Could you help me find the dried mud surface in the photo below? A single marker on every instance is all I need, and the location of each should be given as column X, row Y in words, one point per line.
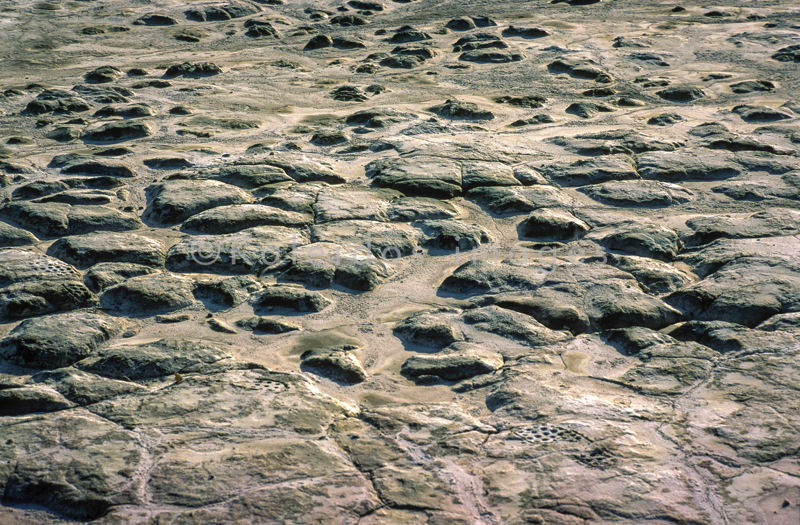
column 399, row 262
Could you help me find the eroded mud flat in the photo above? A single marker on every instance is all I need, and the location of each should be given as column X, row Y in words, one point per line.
column 383, row 262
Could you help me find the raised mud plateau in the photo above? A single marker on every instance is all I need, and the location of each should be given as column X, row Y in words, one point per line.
column 399, row 262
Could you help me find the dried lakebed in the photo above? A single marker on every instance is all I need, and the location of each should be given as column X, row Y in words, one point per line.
column 383, row 262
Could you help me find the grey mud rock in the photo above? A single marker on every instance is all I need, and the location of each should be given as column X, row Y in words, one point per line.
column 59, row 340
column 11, row 236
column 292, row 298
column 83, row 251
column 681, row 93
column 666, row 166
column 148, row 295
column 226, row 292
column 454, row 363
column 639, row 193
column 27, row 400
column 427, row 330
column 591, row 171
column 448, row 234
column 487, row 174
column 176, row 201
column 245, row 177
column 548, row 223
column 189, row 69
column 321, row 264
column 84, row 484
column 232, row 219
column 515, row 200
column 453, row 108
column 360, row 238
column 582, row 297
column 643, row 239
column 161, row 358
column 102, row 275
column 265, row 325
column 583, row 69
column 419, row 176
column 32, row 284
column 353, row 202
column 245, row 251
column 56, row 219
column 119, row 131
column 337, row 363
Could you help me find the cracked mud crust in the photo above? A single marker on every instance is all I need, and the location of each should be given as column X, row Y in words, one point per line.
column 400, row 262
